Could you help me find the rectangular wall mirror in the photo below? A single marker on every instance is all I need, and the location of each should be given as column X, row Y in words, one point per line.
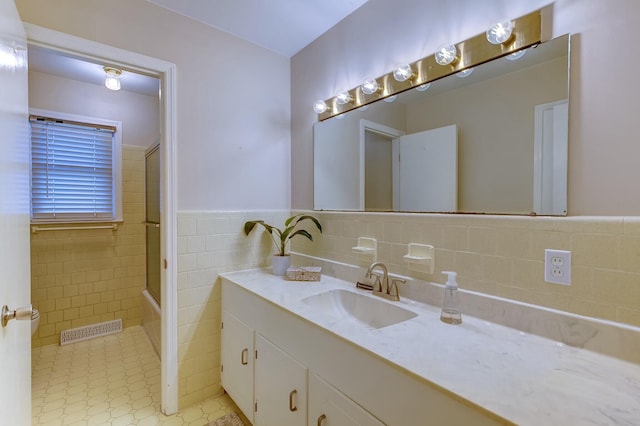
column 492, row 142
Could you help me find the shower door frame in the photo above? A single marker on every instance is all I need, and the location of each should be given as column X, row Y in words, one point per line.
column 151, row 225
column 166, row 73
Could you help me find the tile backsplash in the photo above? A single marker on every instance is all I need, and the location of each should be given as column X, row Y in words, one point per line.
column 504, row 255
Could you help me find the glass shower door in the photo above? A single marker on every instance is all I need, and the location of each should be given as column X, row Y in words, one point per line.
column 152, row 201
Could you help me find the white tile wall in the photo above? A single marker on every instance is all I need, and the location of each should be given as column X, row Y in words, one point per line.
column 210, row 243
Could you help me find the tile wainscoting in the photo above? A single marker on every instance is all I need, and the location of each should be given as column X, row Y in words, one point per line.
column 497, row 255
column 210, row 243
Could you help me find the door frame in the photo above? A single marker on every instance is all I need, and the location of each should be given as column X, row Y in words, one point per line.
column 373, row 127
column 166, row 72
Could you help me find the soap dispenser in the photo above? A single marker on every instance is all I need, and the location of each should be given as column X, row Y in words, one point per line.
column 450, row 307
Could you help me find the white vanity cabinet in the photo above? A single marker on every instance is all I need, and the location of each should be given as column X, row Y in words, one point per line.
column 329, row 407
column 280, row 387
column 268, row 385
column 346, row 384
column 237, row 356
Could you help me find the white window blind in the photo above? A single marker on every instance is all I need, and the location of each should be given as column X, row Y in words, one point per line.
column 72, row 174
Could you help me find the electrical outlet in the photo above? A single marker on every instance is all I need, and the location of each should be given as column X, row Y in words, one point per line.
column 557, row 266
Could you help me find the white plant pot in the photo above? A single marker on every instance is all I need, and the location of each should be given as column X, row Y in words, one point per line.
column 280, row 264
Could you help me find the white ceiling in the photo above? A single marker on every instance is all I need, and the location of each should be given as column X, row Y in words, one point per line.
column 283, row 26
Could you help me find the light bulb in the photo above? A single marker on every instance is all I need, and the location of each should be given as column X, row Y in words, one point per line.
column 465, row 73
column 370, row 86
column 112, row 78
column 343, row 98
column 423, row 87
column 516, row 55
column 403, row 72
column 320, row 106
column 499, row 32
column 446, row 54
column 390, row 98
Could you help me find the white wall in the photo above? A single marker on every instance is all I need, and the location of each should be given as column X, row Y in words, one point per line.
column 233, row 98
column 139, row 114
column 603, row 127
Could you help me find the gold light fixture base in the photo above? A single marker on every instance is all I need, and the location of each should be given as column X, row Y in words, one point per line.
column 527, row 32
column 112, row 71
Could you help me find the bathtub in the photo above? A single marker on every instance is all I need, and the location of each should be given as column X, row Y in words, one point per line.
column 151, row 320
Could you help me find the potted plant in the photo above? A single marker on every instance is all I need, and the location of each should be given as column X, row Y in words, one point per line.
column 281, row 237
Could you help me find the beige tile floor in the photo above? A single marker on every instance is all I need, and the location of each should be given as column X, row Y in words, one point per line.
column 111, row 380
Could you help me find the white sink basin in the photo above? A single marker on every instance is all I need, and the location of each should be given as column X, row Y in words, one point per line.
column 365, row 310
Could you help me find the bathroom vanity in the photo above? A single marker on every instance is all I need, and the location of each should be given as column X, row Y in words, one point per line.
column 314, row 353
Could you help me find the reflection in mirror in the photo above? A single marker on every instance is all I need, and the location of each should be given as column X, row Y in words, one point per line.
column 508, row 153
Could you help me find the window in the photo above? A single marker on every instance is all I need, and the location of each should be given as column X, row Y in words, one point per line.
column 75, row 169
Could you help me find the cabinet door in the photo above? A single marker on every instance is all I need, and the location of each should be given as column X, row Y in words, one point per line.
column 329, row 407
column 237, row 362
column 281, row 387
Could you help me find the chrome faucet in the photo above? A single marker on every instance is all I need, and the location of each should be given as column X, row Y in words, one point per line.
column 382, row 287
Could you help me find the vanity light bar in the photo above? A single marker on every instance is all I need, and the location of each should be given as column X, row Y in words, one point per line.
column 527, row 32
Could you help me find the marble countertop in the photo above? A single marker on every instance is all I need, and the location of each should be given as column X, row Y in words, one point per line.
column 523, row 378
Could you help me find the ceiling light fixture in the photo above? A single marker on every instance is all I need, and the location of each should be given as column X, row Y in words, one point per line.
column 499, row 32
column 112, row 78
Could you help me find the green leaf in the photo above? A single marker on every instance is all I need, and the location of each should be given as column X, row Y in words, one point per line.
column 248, row 226
column 303, row 233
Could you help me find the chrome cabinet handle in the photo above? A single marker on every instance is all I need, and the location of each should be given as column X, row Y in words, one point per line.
column 292, row 395
column 244, row 359
column 321, row 419
column 20, row 314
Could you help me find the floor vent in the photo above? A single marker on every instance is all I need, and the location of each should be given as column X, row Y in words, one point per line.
column 87, row 332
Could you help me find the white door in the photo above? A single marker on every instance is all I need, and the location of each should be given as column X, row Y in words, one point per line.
column 15, row 338
column 426, row 177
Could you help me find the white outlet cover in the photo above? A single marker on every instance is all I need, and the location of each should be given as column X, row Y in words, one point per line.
column 557, row 266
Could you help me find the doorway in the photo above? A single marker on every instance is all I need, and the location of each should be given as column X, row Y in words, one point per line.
column 165, row 72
